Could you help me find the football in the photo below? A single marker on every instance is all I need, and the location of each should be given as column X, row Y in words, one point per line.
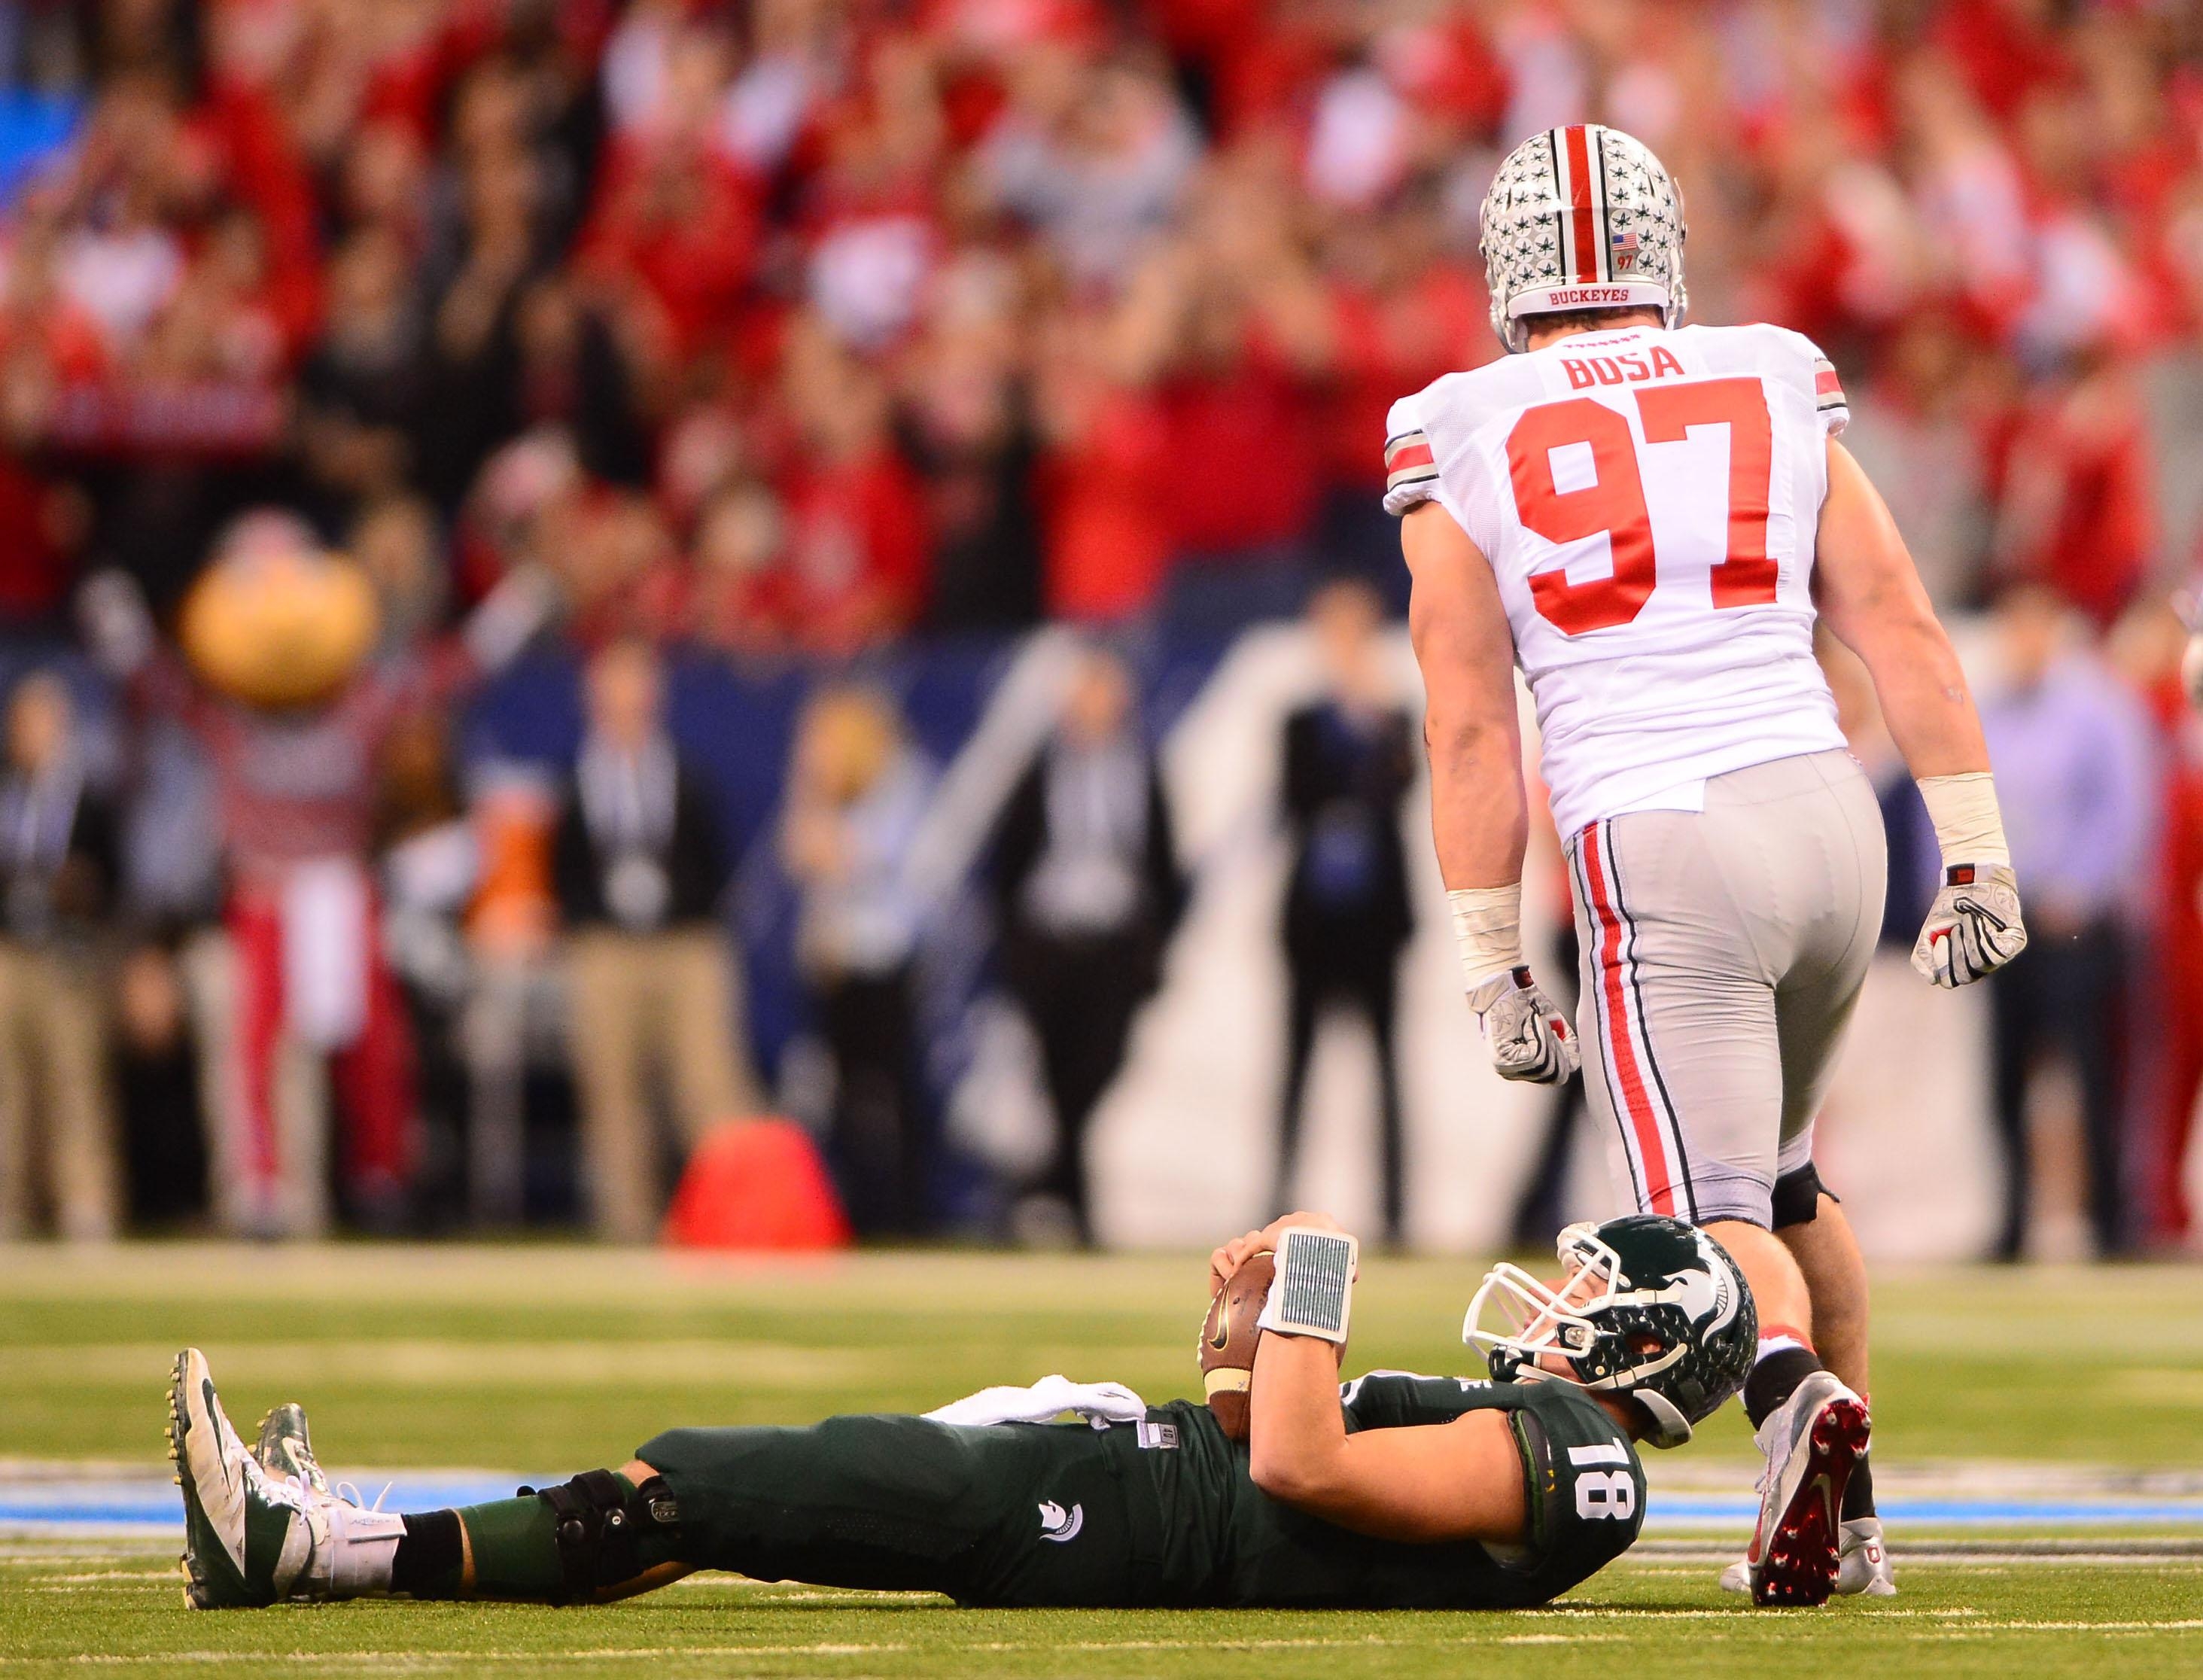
column 1228, row 1342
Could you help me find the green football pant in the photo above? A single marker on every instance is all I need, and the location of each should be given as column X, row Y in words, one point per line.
column 1013, row 1514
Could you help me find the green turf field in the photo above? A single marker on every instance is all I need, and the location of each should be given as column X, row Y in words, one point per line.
column 537, row 1361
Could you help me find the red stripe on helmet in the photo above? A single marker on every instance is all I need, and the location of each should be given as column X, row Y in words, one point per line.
column 1579, row 203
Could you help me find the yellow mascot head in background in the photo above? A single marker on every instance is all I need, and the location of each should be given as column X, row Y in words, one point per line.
column 276, row 621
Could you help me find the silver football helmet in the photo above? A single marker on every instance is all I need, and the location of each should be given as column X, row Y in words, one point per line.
column 1582, row 217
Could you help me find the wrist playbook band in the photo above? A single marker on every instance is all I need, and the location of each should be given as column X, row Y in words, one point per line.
column 1313, row 1293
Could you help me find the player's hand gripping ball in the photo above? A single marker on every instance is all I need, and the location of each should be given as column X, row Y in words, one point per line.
column 1227, row 1341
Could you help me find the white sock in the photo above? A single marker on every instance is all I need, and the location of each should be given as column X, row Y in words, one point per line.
column 1776, row 1342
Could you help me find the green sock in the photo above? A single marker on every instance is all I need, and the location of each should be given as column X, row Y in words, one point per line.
column 516, row 1549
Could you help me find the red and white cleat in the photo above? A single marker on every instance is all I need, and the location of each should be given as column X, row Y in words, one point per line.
column 1865, row 1569
column 1812, row 1442
column 1862, row 1565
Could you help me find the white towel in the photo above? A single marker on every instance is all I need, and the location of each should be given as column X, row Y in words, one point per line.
column 1100, row 1404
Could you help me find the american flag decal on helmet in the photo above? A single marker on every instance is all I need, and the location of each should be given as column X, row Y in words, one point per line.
column 1408, row 461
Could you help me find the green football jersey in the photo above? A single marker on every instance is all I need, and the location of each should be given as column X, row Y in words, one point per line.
column 1219, row 1539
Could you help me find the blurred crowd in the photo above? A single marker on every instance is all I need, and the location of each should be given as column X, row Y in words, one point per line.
column 798, row 334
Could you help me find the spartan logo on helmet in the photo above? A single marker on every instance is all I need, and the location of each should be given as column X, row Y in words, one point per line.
column 1647, row 1306
column 1583, row 217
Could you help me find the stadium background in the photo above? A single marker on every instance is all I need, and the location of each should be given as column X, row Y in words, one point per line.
column 818, row 341
column 920, row 344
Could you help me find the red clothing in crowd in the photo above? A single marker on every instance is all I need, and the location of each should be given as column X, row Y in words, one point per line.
column 2175, row 989
column 683, row 222
column 1108, row 526
column 2002, row 53
column 243, row 131
column 1260, row 58
column 856, row 568
column 34, row 568
column 1391, row 343
column 2079, row 510
column 1246, row 462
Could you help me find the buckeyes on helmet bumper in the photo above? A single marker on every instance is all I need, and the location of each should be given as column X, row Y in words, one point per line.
column 1647, row 1306
column 1582, row 217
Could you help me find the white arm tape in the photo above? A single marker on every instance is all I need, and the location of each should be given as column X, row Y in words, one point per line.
column 1487, row 930
column 1968, row 825
column 1313, row 1293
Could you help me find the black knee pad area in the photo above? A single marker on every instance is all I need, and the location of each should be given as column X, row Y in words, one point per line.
column 1797, row 1196
column 607, row 1532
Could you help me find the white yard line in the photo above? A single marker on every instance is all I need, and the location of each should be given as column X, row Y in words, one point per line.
column 618, row 1653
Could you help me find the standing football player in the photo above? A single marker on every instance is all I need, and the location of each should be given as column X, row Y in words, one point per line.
column 1648, row 519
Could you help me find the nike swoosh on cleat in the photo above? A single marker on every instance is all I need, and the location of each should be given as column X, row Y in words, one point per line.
column 221, row 1458
column 228, row 1522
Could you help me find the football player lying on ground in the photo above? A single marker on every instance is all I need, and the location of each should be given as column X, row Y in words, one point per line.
column 1396, row 1491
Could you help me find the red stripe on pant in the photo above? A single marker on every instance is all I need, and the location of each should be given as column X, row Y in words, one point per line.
column 372, row 1077
column 1580, row 205
column 1659, row 1171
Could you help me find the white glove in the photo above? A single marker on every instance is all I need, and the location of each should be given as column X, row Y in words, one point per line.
column 1528, row 1036
column 1100, row 1404
column 1973, row 927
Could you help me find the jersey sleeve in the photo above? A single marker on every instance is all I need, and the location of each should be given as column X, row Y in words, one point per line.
column 1411, row 467
column 1827, row 388
column 1828, row 396
column 1585, row 1483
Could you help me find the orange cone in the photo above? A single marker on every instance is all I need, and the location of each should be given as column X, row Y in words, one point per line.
column 757, row 1184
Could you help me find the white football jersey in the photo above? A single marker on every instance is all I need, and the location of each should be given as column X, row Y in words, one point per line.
column 1648, row 500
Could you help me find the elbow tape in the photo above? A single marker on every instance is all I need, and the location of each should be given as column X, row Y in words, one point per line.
column 1313, row 1293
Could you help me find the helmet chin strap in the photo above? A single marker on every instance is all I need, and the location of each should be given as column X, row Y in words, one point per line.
column 1669, row 1427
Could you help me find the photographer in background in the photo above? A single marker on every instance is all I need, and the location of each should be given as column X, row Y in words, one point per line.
column 57, row 861
column 1349, row 760
column 1090, row 890
column 639, row 866
column 857, row 791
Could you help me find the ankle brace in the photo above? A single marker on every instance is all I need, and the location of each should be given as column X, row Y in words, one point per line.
column 363, row 1546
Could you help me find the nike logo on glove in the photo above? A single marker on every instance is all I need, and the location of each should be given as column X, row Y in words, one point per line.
column 1973, row 928
column 1528, row 1036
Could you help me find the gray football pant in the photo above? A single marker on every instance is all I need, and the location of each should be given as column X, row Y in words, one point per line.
column 1723, row 951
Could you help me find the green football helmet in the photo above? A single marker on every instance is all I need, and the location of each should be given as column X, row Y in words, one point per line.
column 1648, row 1307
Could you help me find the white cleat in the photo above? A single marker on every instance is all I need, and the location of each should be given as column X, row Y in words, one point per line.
column 253, row 1537
column 1862, row 1565
column 246, row 1540
column 1812, row 1442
